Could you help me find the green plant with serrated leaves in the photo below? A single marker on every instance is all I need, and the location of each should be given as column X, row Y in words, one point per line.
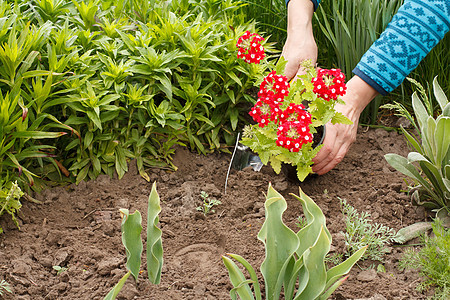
column 207, row 203
column 294, row 262
column 429, row 164
column 360, row 231
column 131, row 239
column 263, row 139
column 432, row 260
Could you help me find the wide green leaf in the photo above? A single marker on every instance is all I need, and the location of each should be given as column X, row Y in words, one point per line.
column 419, row 110
column 314, row 261
column 342, row 269
column 279, row 240
column 442, row 139
column 154, row 249
column 439, row 94
column 238, row 280
column 251, row 272
column 131, row 239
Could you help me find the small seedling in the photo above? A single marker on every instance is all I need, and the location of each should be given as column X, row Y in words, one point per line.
column 59, row 269
column 5, row 287
column 334, row 258
column 301, row 222
column 208, row 203
column 360, row 231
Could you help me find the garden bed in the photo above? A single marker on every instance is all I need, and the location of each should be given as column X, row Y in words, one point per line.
column 78, row 227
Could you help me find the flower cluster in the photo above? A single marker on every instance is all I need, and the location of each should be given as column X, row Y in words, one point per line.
column 329, row 84
column 273, row 89
column 287, row 114
column 293, row 130
column 293, row 121
column 250, row 48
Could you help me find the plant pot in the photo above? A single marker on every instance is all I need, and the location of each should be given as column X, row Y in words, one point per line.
column 290, row 171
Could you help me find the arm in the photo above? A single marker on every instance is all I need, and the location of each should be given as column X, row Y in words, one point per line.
column 413, row 32
column 315, row 3
column 300, row 44
column 416, row 28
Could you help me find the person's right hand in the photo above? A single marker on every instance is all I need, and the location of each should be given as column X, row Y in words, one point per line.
column 300, row 44
column 339, row 137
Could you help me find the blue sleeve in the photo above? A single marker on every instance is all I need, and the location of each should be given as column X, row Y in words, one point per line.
column 416, row 28
column 315, row 2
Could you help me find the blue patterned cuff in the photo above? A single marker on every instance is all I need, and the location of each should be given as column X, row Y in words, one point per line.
column 369, row 81
column 416, row 28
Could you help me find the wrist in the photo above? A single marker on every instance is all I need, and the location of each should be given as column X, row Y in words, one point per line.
column 359, row 94
column 300, row 14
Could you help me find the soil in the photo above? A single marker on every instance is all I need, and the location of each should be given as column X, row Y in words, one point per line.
column 78, row 227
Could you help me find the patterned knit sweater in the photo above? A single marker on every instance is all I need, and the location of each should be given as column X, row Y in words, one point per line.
column 413, row 31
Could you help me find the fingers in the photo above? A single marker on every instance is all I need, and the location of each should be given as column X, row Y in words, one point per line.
column 338, row 140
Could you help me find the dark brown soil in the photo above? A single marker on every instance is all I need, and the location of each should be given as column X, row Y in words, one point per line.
column 78, row 227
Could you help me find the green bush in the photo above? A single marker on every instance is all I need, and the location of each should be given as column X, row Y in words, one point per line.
column 121, row 81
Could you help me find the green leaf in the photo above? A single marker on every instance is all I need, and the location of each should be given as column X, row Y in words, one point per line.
column 95, row 119
column 154, row 238
column 131, row 239
column 316, row 221
column 412, row 231
column 313, row 260
column 279, row 240
column 402, row 165
column 82, row 174
column 37, row 134
column 281, row 65
column 237, row 279
column 412, row 141
column 442, row 134
column 439, row 94
column 116, row 289
column 419, row 110
column 234, row 77
column 340, row 118
column 251, row 272
column 342, row 269
column 88, row 138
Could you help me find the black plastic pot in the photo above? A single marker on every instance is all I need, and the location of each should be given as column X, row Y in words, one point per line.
column 290, row 171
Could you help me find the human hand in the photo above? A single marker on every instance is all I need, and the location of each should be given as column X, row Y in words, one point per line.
column 300, row 44
column 340, row 137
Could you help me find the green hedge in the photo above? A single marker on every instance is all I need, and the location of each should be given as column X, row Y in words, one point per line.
column 88, row 86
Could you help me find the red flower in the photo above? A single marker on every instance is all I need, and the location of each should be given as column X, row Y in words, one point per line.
column 295, row 112
column 250, row 48
column 329, row 84
column 293, row 135
column 274, row 86
column 264, row 111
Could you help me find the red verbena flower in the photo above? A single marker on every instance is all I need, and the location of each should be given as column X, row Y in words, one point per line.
column 274, row 86
column 329, row 84
column 264, row 111
column 295, row 113
column 293, row 135
column 250, row 48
